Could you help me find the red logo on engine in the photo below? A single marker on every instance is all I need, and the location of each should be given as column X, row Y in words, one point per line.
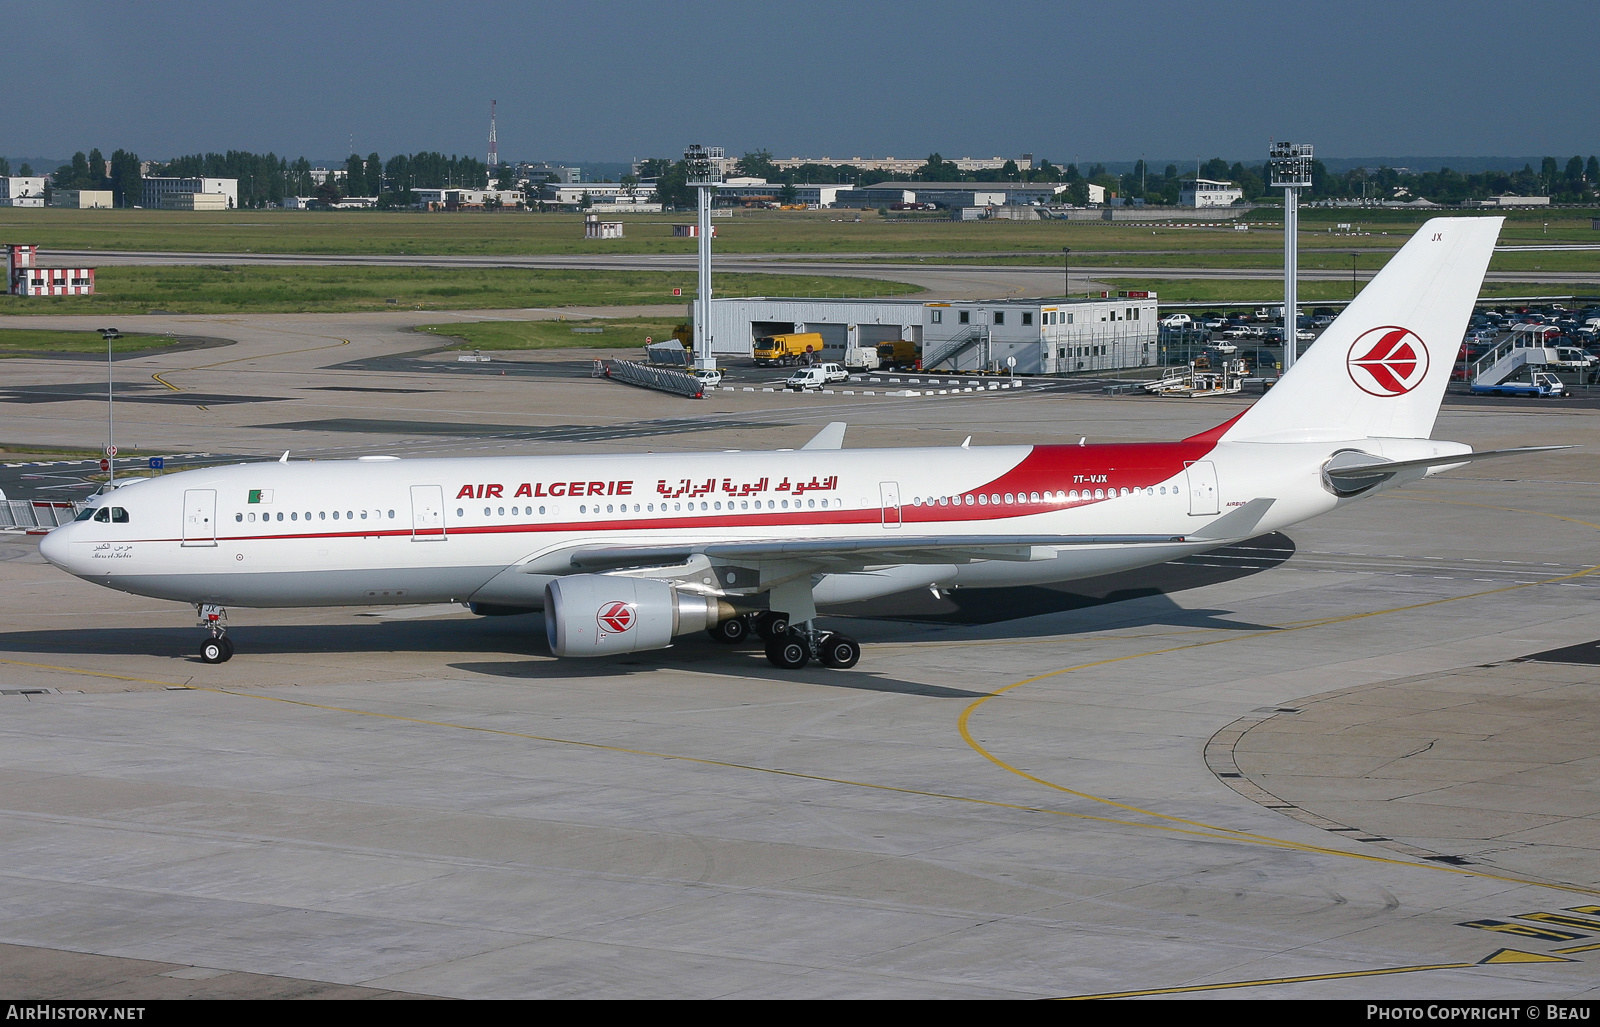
column 1388, row 361
column 615, row 617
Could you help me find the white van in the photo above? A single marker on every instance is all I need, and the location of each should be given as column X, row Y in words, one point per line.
column 807, row 378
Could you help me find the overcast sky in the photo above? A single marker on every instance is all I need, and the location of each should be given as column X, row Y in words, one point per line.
column 614, row 80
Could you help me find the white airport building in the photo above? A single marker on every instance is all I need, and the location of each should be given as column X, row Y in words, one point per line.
column 739, row 190
column 1205, row 192
column 1044, row 336
column 157, row 190
column 612, row 197
column 22, row 191
column 902, row 165
column 952, row 194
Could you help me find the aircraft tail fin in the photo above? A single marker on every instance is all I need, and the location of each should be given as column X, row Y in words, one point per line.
column 1380, row 370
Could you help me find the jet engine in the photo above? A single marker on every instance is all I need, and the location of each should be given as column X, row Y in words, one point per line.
column 602, row 614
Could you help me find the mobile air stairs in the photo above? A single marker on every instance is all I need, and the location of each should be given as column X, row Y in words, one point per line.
column 949, row 349
column 1200, row 380
column 1521, row 351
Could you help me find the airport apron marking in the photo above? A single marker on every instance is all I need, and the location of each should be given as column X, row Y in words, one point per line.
column 963, row 722
column 1273, row 980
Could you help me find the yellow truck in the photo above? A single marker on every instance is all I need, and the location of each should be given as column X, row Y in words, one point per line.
column 899, row 355
column 788, row 349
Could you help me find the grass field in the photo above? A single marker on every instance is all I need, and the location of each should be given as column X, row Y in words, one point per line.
column 828, row 231
column 245, row 288
column 615, row 333
column 27, row 341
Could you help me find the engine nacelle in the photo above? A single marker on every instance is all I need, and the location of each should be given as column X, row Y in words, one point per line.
column 602, row 614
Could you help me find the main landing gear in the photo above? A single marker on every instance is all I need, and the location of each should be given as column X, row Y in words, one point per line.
column 802, row 643
column 787, row 646
column 219, row 647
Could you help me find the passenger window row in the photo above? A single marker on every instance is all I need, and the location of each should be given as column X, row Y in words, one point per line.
column 729, row 506
column 294, row 515
column 1009, row 498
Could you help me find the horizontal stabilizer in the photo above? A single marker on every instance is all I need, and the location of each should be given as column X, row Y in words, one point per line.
column 1350, row 472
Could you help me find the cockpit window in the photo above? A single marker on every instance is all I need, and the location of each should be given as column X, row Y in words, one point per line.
column 103, row 514
column 84, row 514
column 119, row 515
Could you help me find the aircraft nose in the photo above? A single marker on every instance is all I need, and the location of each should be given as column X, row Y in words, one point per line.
column 55, row 546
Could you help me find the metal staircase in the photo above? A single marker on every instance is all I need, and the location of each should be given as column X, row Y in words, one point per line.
column 1508, row 357
column 972, row 335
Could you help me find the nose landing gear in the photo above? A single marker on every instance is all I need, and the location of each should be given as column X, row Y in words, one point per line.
column 219, row 647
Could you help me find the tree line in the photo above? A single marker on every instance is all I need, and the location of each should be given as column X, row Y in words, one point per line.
column 268, row 178
column 1576, row 181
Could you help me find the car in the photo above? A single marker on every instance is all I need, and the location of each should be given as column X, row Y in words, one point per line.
column 1177, row 321
column 834, row 372
column 806, row 378
column 708, row 376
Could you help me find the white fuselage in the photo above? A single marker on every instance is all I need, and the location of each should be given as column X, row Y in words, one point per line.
column 497, row 530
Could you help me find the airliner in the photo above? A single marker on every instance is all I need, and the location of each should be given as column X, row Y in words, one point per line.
column 623, row 553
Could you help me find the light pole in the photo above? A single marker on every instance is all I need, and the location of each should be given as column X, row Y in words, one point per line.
column 1066, row 271
column 1291, row 172
column 705, row 174
column 111, row 415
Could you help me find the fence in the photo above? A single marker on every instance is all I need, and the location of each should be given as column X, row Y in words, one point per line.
column 34, row 516
column 676, row 382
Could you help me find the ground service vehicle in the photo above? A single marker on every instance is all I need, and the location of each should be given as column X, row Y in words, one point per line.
column 783, row 350
column 622, row 552
column 899, row 355
column 807, row 378
column 1538, row 383
column 862, row 358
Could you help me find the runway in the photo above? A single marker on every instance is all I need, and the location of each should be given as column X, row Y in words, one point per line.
column 1315, row 765
column 943, row 280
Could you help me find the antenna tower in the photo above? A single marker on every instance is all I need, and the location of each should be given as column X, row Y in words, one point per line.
column 494, row 149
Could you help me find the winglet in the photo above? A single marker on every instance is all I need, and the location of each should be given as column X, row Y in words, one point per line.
column 831, row 437
column 284, row 458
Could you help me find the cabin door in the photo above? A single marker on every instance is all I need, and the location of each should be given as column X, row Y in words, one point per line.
column 1202, row 475
column 427, row 513
column 890, row 491
column 200, row 517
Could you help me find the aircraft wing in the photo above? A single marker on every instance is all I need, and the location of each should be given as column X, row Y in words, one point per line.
column 856, row 551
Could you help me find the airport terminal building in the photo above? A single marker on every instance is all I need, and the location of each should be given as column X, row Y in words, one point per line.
column 1045, row 336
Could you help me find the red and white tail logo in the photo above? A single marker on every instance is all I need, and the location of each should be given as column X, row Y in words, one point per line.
column 1388, row 361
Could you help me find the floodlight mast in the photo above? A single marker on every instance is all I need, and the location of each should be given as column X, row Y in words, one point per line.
column 704, row 165
column 1291, row 172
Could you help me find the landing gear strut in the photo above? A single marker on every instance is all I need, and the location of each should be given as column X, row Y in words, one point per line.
column 219, row 647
